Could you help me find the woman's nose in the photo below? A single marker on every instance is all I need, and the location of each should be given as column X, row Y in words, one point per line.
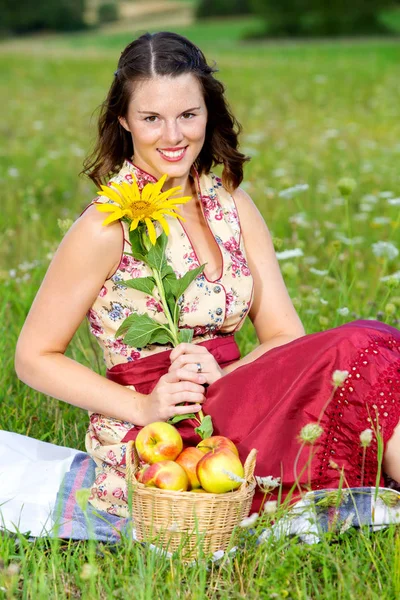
column 172, row 134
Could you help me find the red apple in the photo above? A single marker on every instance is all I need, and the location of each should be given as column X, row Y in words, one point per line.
column 220, row 471
column 217, row 442
column 158, row 441
column 188, row 459
column 166, row 475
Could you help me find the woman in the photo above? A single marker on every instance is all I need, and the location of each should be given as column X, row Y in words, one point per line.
column 165, row 113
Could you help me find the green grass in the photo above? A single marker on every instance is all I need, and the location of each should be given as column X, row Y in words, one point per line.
column 312, row 113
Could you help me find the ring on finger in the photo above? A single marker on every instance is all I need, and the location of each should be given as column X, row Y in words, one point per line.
column 199, row 367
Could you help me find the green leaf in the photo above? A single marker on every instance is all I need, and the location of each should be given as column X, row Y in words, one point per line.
column 126, row 324
column 143, row 330
column 138, row 250
column 143, row 284
column 206, row 428
column 179, row 418
column 156, row 255
column 184, row 282
column 185, row 335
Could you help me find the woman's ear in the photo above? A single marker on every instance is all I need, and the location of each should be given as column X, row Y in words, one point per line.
column 124, row 123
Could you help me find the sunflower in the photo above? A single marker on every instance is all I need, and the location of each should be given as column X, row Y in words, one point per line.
column 149, row 205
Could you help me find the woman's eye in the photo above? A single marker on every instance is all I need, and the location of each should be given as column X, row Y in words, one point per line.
column 151, row 119
column 188, row 115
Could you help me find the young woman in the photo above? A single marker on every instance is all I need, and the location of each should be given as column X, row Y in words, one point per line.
column 166, row 114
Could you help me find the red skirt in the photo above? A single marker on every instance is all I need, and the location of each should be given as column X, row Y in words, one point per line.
column 266, row 403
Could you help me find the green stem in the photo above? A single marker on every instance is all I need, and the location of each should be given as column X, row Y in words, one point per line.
column 173, row 328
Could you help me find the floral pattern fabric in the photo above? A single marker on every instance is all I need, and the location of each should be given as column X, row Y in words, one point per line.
column 210, row 307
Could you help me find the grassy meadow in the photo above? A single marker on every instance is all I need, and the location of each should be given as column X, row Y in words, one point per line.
column 312, row 114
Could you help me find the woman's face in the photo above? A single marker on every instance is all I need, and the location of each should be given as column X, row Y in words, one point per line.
column 167, row 119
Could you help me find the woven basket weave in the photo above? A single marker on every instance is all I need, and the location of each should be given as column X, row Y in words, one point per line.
column 193, row 523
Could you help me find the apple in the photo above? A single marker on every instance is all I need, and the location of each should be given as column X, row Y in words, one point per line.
column 158, row 441
column 217, row 442
column 188, row 459
column 214, row 469
column 166, row 475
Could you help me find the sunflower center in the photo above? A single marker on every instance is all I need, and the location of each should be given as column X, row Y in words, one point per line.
column 141, row 206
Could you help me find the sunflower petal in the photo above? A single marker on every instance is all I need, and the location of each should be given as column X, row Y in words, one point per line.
column 111, row 219
column 134, row 224
column 151, row 230
column 107, row 207
column 110, row 193
column 157, row 187
column 163, row 223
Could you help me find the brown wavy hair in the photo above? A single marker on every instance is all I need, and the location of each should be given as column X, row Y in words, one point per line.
column 170, row 54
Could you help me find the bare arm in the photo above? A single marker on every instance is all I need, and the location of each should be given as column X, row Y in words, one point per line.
column 88, row 254
column 272, row 312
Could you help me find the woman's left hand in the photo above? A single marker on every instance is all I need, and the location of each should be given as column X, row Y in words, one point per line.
column 187, row 357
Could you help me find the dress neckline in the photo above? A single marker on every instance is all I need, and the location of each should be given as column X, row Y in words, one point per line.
column 143, row 177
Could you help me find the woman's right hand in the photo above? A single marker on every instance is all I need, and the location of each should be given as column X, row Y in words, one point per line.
column 170, row 392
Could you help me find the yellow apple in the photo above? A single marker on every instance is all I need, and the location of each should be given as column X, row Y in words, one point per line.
column 188, row 459
column 158, row 441
column 166, row 475
column 217, row 442
column 220, row 471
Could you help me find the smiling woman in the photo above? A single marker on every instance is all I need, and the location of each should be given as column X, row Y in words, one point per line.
column 166, row 115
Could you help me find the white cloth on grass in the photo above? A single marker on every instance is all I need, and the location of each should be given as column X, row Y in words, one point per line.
column 31, row 472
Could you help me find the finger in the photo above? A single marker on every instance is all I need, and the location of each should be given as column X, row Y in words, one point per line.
column 189, row 373
column 186, row 348
column 188, row 398
column 192, row 359
column 182, row 410
column 185, row 386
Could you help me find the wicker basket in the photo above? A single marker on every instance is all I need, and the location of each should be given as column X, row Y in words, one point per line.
column 193, row 523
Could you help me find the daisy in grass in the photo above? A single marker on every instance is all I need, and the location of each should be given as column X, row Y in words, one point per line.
column 149, row 205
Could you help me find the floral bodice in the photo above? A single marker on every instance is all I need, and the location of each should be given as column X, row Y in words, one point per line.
column 210, row 308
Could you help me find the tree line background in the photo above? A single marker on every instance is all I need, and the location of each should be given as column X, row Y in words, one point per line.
column 286, row 18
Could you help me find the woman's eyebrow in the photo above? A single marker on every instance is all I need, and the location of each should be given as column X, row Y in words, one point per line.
column 150, row 112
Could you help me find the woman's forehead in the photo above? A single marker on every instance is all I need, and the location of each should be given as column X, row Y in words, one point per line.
column 163, row 91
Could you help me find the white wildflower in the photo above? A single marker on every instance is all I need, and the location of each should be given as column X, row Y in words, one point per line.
column 217, row 555
column 319, row 272
column 392, row 277
column 369, row 198
column 270, row 507
column 323, row 301
column 249, row 521
column 366, row 438
column 338, row 377
column 394, row 201
column 13, row 172
column 37, row 125
column 381, row 221
column 233, row 476
column 295, row 189
column 280, row 172
column 268, row 483
column 296, row 252
column 385, row 250
column 310, row 433
column 12, row 273
column 386, row 194
column 343, row 312
column 300, row 220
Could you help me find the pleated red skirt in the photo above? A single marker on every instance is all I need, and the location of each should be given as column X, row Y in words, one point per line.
column 265, row 404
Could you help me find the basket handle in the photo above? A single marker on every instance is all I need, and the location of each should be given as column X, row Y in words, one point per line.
column 131, row 461
column 250, row 464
